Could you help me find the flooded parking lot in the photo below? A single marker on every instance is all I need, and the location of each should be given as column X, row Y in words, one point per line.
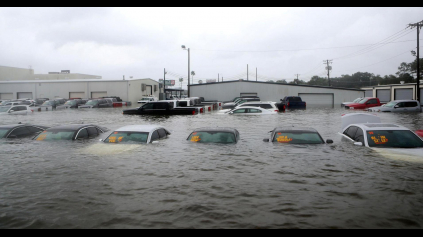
column 179, row 184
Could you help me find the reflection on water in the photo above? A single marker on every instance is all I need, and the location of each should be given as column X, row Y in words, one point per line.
column 179, row 184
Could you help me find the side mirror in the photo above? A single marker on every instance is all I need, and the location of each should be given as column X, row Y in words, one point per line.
column 230, row 112
column 396, row 106
column 100, row 140
column 155, row 142
column 329, row 141
column 358, row 143
column 266, row 140
column 10, row 111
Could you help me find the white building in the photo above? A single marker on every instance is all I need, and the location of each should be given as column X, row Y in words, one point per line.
column 128, row 90
column 315, row 96
column 21, row 74
column 386, row 93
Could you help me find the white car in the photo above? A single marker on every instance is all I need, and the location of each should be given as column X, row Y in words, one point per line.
column 398, row 106
column 15, row 109
column 248, row 110
column 137, row 134
column 367, row 130
column 147, row 99
column 354, row 101
column 269, row 105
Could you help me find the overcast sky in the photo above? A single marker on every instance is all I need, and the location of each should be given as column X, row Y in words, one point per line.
column 141, row 42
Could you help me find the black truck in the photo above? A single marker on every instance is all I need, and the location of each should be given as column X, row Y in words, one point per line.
column 291, row 102
column 161, row 108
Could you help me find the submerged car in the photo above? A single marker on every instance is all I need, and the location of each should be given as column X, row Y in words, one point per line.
column 137, row 134
column 398, row 106
column 374, row 134
column 295, row 135
column 20, row 130
column 74, row 103
column 354, row 101
column 214, row 135
column 247, row 110
column 97, row 103
column 70, row 132
column 15, row 109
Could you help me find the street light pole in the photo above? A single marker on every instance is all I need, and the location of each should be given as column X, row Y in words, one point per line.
column 183, row 47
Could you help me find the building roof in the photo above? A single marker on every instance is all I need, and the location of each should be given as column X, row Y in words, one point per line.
column 77, row 80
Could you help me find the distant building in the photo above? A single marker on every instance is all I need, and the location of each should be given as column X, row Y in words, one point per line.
column 23, row 74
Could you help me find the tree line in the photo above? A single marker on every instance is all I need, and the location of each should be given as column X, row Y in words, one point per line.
column 407, row 72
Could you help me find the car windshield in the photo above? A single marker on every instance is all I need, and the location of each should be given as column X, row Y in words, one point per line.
column 390, row 104
column 212, row 137
column 4, row 108
column 55, row 135
column 70, row 102
column 393, row 138
column 127, row 137
column 4, row 102
column 147, row 99
column 92, row 102
column 3, row 132
column 298, row 138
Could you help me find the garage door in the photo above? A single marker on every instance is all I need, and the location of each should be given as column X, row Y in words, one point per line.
column 23, row 95
column 403, row 94
column 317, row 100
column 98, row 94
column 6, row 96
column 384, row 95
column 368, row 93
column 421, row 94
column 77, row 95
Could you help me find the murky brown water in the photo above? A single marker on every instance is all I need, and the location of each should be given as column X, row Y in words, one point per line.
column 178, row 184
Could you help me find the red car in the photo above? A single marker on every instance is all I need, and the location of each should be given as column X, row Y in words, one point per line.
column 365, row 103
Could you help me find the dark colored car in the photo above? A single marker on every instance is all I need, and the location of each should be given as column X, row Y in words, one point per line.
column 74, row 103
column 293, row 135
column 71, row 132
column 214, row 135
column 20, row 130
column 96, row 103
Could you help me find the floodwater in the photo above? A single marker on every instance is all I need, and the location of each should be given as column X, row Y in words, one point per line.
column 179, row 184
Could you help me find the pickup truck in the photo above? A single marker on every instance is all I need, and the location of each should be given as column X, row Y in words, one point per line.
column 292, row 102
column 147, row 99
column 161, row 108
column 186, row 104
column 365, row 103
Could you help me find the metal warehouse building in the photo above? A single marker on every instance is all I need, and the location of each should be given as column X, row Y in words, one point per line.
column 128, row 90
column 388, row 93
column 315, row 96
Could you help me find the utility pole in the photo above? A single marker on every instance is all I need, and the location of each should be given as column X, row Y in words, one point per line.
column 247, row 72
column 256, row 74
column 218, row 77
column 418, row 25
column 327, row 62
column 297, row 77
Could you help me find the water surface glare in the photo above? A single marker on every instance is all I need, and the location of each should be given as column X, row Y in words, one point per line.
column 178, row 184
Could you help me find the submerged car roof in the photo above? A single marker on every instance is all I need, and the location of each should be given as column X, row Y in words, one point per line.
column 74, row 126
column 379, row 126
column 296, row 129
column 139, row 128
column 216, row 129
column 21, row 124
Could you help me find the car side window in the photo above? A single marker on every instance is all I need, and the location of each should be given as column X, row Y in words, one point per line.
column 359, row 135
column 351, row 132
column 23, row 131
column 159, row 106
column 148, row 106
column 373, row 101
column 239, row 111
column 21, row 108
column 83, row 133
column 401, row 104
column 92, row 132
column 254, row 111
column 155, row 136
column 162, row 133
column 411, row 104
